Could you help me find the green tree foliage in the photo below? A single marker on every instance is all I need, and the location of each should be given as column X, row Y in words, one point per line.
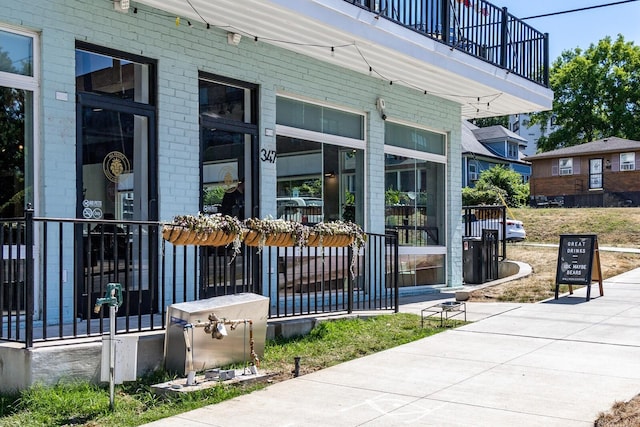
column 11, row 145
column 597, row 94
column 472, row 196
column 492, row 121
column 497, row 184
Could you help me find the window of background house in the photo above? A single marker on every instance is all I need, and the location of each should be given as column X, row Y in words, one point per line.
column 473, row 172
column 595, row 174
column 627, row 161
column 566, row 166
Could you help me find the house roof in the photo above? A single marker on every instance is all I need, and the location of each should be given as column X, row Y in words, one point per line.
column 497, row 133
column 605, row 145
column 470, row 143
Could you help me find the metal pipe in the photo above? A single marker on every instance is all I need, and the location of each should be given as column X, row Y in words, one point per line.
column 112, row 355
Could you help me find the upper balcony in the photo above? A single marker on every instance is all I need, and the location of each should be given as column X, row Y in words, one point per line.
column 468, row 51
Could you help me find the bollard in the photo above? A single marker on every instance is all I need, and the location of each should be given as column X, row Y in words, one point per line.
column 296, row 369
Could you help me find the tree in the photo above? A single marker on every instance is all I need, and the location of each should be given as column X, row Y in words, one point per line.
column 497, row 184
column 471, row 196
column 492, row 121
column 12, row 122
column 597, row 95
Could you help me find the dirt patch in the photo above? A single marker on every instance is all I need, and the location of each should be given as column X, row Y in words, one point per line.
column 621, row 414
column 540, row 285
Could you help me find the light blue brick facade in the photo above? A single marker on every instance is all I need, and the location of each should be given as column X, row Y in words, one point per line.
column 181, row 53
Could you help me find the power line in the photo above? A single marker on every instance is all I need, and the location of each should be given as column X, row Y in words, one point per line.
column 577, row 10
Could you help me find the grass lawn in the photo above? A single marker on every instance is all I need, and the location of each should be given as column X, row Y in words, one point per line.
column 330, row 343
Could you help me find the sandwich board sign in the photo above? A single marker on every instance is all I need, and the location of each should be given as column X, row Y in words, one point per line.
column 578, row 262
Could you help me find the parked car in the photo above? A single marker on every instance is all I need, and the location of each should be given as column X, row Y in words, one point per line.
column 515, row 231
column 307, row 210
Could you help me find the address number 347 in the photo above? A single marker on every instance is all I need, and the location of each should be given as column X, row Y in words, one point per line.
column 268, row 155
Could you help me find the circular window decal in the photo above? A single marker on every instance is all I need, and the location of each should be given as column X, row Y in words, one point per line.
column 115, row 164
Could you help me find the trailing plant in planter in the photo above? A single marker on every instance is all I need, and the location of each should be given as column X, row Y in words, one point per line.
column 339, row 234
column 275, row 232
column 205, row 230
column 223, row 230
column 336, row 234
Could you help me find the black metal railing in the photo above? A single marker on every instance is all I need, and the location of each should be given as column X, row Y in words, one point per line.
column 413, row 226
column 475, row 219
column 475, row 27
column 53, row 270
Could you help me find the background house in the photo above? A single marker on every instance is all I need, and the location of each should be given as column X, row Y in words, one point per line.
column 483, row 148
column 520, row 124
column 598, row 173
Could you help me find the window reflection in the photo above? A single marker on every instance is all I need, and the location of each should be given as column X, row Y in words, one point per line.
column 112, row 76
column 420, row 270
column 319, row 182
column 15, row 144
column 227, row 130
column 16, row 53
column 221, row 101
column 414, row 199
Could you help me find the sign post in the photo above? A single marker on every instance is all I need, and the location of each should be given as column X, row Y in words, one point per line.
column 578, row 262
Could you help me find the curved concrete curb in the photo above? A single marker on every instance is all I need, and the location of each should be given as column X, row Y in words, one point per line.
column 524, row 270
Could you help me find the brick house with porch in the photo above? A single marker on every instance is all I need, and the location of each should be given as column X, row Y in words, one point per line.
column 600, row 173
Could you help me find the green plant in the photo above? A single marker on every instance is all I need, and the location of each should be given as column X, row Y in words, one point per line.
column 395, row 197
column 349, row 208
column 213, row 195
column 505, row 181
column 311, row 188
column 269, row 226
column 475, row 197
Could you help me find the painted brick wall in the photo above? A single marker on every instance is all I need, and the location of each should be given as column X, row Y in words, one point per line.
column 183, row 51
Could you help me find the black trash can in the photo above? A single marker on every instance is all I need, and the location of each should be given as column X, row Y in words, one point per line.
column 472, row 260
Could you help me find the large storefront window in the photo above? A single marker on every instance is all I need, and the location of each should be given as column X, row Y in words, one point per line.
column 414, row 200
column 415, row 186
column 16, row 122
column 320, row 163
column 318, row 182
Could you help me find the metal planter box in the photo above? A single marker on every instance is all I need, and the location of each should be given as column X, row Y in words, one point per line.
column 188, row 318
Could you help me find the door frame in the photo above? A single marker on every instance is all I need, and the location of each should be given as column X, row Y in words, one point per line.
column 84, row 301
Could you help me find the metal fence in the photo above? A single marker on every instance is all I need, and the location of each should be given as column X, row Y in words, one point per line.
column 53, row 271
column 475, row 27
column 475, row 219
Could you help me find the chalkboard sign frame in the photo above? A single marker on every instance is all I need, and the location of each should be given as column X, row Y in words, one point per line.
column 578, row 262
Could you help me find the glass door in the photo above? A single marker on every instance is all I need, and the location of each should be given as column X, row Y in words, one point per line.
column 116, row 182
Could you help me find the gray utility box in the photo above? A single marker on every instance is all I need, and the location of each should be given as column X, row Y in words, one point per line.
column 209, row 352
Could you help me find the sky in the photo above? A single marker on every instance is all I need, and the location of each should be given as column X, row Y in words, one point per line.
column 578, row 29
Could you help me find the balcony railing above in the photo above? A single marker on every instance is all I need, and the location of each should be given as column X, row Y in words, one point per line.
column 475, row 27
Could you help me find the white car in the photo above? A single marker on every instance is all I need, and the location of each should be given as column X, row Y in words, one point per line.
column 515, row 231
column 307, row 210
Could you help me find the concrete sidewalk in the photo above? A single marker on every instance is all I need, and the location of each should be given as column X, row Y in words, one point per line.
column 555, row 363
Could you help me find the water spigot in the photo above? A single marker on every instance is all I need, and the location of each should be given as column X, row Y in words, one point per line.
column 112, row 297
